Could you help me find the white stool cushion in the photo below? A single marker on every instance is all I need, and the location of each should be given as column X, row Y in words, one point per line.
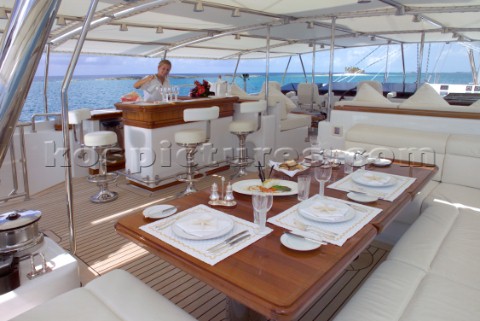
column 191, row 136
column 115, row 296
column 242, row 126
column 100, row 138
column 197, row 114
column 75, row 117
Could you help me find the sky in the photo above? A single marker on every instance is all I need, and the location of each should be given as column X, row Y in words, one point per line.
column 437, row 57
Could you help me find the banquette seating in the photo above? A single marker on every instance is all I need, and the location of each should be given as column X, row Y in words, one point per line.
column 115, row 296
column 432, row 271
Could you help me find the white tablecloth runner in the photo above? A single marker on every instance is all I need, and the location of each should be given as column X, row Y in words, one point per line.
column 388, row 193
column 363, row 215
column 162, row 229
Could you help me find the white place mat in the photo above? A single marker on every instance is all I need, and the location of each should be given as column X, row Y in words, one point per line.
column 162, row 229
column 388, row 193
column 345, row 230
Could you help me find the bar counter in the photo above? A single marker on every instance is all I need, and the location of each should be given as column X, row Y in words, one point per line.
column 163, row 114
column 152, row 157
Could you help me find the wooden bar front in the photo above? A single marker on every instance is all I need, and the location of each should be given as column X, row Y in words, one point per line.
column 151, row 115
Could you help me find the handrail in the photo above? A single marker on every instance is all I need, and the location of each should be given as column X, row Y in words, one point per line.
column 34, row 129
column 23, row 159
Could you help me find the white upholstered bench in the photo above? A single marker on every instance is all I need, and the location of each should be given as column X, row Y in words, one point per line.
column 115, row 296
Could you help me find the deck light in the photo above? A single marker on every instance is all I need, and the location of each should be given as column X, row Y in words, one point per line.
column 123, row 27
column 237, row 36
column 310, row 25
column 61, row 21
column 198, row 6
column 159, row 29
column 236, row 13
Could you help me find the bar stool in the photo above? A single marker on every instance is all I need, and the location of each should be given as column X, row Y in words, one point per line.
column 100, row 142
column 190, row 139
column 241, row 128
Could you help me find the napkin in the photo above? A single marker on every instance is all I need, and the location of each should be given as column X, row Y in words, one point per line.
column 326, row 209
column 202, row 225
column 373, row 179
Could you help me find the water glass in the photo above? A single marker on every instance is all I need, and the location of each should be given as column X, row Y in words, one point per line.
column 323, row 172
column 303, row 182
column 349, row 162
column 262, row 203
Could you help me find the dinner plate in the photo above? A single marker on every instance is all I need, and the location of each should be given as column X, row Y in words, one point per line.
column 243, row 187
column 373, row 179
column 381, row 162
column 362, row 198
column 305, row 204
column 227, row 223
column 297, row 243
column 159, row 211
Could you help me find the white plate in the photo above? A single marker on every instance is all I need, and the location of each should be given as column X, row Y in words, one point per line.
column 305, row 204
column 361, row 177
column 297, row 243
column 225, row 218
column 242, row 187
column 159, row 211
column 362, row 198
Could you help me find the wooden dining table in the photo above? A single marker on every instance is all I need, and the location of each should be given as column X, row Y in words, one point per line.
column 267, row 277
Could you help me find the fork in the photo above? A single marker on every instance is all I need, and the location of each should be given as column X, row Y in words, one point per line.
column 304, row 227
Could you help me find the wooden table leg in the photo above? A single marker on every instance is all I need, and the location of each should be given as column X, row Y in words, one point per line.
column 238, row 312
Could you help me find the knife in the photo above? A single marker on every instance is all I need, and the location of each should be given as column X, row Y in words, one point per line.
column 227, row 241
column 305, row 237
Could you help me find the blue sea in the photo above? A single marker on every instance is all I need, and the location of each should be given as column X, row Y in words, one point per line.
column 100, row 92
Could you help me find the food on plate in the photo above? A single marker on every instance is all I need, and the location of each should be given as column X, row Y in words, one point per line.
column 291, row 165
column 131, row 96
column 269, row 186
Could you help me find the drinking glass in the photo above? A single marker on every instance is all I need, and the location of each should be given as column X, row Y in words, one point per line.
column 176, row 91
column 349, row 162
column 323, row 172
column 303, row 182
column 262, row 203
column 315, row 148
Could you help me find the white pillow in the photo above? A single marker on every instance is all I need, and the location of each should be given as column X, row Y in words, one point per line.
column 425, row 96
column 367, row 93
column 237, row 91
column 275, row 95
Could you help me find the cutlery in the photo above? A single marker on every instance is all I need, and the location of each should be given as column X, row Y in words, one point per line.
column 305, row 237
column 231, row 243
column 304, row 227
column 365, row 193
column 227, row 241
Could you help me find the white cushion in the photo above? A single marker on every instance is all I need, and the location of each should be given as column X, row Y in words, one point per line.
column 372, row 83
column 453, row 195
column 295, row 121
column 275, row 95
column 75, row 117
column 198, row 114
column 252, row 106
column 242, row 126
column 425, row 97
column 191, row 136
column 235, row 90
column 366, row 93
column 100, row 138
column 115, row 296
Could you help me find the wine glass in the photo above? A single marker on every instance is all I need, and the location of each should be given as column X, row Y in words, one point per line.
column 323, row 172
column 176, row 91
column 262, row 203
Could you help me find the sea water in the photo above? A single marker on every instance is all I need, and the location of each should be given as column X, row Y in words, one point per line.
column 102, row 92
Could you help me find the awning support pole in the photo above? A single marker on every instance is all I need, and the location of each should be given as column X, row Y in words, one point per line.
column 45, row 81
column 420, row 59
column 472, row 66
column 303, row 67
column 286, row 69
column 404, row 73
column 236, row 68
column 330, row 71
column 65, row 125
column 267, row 67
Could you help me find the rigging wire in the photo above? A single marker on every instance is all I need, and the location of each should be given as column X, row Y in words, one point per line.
column 427, row 76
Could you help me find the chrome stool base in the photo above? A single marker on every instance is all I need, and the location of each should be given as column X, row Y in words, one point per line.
column 104, row 195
